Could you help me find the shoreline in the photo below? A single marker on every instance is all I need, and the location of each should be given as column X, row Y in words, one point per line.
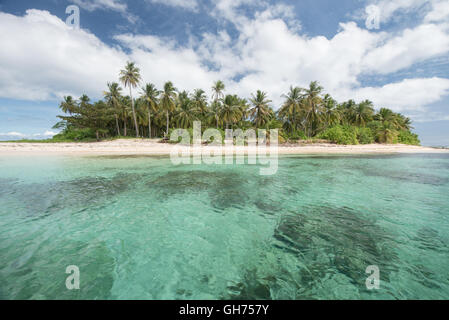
column 152, row 147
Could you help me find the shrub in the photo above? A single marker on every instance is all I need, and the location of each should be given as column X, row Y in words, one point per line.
column 172, row 130
column 365, row 135
column 296, row 135
column 340, row 135
column 75, row 135
column 407, row 137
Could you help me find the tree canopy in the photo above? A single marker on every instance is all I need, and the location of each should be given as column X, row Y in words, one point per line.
column 305, row 113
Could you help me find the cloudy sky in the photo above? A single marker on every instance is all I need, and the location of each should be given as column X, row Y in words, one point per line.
column 269, row 45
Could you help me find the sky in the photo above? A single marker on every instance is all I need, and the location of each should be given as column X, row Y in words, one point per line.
column 394, row 53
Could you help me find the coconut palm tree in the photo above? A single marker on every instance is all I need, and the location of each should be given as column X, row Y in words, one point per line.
column 363, row 113
column 150, row 96
column 185, row 116
column 404, row 123
column 230, row 109
column 168, row 101
column 113, row 98
column 126, row 108
column 68, row 105
column 199, row 102
column 331, row 114
column 292, row 108
column 130, row 77
column 214, row 114
column 244, row 110
column 313, row 105
column 386, row 133
column 260, row 111
column 217, row 90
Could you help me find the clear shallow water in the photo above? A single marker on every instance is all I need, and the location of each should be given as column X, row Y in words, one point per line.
column 139, row 227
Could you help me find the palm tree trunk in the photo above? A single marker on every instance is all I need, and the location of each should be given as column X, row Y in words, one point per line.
column 134, row 112
column 149, row 123
column 116, row 123
column 124, row 125
column 166, row 133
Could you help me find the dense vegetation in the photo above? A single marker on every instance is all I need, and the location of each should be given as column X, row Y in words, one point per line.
column 306, row 113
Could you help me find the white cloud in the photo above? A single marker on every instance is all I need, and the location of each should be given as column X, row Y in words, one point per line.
column 388, row 8
column 43, row 58
column 439, row 12
column 14, row 135
column 412, row 45
column 409, row 95
column 160, row 60
column 92, row 5
column 185, row 4
column 114, row 5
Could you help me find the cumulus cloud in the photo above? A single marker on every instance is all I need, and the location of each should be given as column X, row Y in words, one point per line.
column 14, row 135
column 184, row 4
column 389, row 7
column 409, row 95
column 92, row 5
column 439, row 12
column 113, row 5
column 42, row 58
column 424, row 42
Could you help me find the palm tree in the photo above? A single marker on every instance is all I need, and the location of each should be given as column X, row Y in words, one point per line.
column 126, row 104
column 168, row 100
column 386, row 133
column 363, row 113
column 330, row 112
column 215, row 112
column 113, row 98
column 260, row 111
column 404, row 123
column 230, row 110
column 199, row 101
column 217, row 90
column 184, row 115
column 244, row 109
column 313, row 105
column 292, row 107
column 150, row 96
column 68, row 105
column 142, row 114
column 130, row 77
column 346, row 111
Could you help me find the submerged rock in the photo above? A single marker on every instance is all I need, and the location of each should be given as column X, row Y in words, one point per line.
column 43, row 275
column 41, row 200
column 224, row 189
column 349, row 240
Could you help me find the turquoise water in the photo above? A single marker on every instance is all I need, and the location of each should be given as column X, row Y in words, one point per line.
column 141, row 228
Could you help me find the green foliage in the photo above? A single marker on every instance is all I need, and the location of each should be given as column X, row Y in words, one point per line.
column 70, row 134
column 340, row 134
column 296, row 135
column 364, row 135
column 307, row 114
column 180, row 137
column 407, row 137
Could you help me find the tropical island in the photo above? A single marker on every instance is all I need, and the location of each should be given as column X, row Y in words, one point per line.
column 306, row 114
column 308, row 121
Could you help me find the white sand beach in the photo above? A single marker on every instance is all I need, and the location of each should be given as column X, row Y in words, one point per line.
column 153, row 147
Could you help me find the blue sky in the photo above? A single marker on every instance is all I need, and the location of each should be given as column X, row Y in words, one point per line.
column 268, row 45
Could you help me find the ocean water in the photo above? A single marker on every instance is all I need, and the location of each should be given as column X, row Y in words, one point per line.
column 141, row 228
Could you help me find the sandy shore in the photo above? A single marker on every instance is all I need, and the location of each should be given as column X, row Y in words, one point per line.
column 152, row 147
